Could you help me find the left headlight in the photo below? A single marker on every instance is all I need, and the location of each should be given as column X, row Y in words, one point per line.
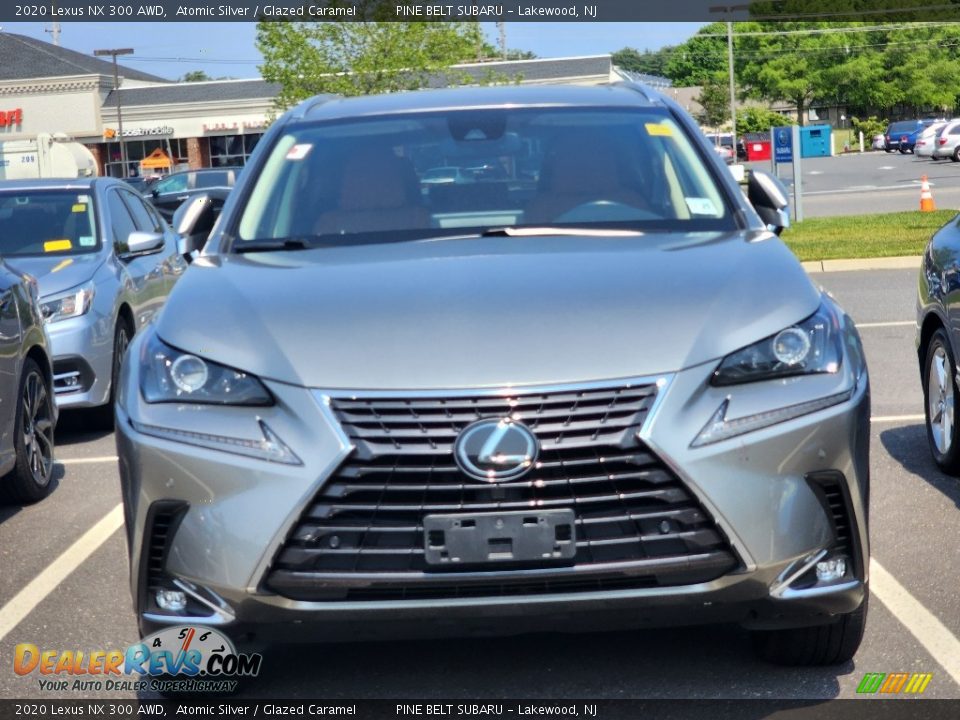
column 171, row 375
column 71, row 304
column 809, row 347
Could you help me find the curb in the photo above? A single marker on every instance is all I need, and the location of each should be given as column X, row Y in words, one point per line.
column 901, row 262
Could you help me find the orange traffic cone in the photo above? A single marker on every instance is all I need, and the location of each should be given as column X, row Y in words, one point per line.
column 926, row 198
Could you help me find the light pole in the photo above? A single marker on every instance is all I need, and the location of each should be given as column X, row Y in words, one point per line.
column 733, row 95
column 116, row 92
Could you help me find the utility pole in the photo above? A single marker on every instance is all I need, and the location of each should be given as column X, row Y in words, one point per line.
column 733, row 94
column 55, row 32
column 116, row 92
column 502, row 29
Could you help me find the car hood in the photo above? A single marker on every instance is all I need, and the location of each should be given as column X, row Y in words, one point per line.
column 487, row 312
column 57, row 274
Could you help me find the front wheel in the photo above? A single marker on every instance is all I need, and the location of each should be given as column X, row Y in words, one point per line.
column 30, row 479
column 832, row 644
column 121, row 339
column 939, row 400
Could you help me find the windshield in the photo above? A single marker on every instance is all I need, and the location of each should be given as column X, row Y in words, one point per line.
column 47, row 223
column 904, row 127
column 428, row 174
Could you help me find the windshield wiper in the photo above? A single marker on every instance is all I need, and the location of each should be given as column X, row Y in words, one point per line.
column 266, row 245
column 533, row 231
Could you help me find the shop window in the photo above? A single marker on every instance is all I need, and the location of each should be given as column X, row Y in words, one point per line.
column 229, row 150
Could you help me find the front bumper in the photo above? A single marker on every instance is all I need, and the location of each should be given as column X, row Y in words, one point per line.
column 237, row 513
column 82, row 360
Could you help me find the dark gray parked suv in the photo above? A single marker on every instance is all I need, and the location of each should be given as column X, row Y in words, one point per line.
column 592, row 390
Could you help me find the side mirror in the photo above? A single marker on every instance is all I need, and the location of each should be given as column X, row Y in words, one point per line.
column 769, row 198
column 194, row 220
column 143, row 243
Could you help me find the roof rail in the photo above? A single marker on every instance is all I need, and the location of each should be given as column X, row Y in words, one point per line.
column 305, row 106
column 646, row 91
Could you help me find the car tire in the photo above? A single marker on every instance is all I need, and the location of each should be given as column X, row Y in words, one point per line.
column 940, row 395
column 831, row 644
column 122, row 335
column 32, row 475
column 955, row 156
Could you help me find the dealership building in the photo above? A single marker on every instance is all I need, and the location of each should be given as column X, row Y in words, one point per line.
column 46, row 88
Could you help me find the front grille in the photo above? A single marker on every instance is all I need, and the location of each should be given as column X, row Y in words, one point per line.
column 637, row 525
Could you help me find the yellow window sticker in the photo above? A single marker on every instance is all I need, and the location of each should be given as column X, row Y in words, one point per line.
column 57, row 245
column 78, row 208
column 659, row 130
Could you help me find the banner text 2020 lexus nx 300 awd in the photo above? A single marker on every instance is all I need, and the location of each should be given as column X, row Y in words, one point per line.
column 583, row 385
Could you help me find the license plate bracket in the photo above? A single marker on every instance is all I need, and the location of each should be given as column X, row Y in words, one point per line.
column 499, row 537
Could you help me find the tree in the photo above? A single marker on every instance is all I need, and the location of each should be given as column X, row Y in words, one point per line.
column 759, row 119
column 698, row 59
column 361, row 58
column 714, row 98
column 195, row 76
column 647, row 62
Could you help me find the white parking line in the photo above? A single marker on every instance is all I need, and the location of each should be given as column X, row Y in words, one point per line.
column 23, row 603
column 87, row 461
column 932, row 634
column 894, row 323
column 897, row 418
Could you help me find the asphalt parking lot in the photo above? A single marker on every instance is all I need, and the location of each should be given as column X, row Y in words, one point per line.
column 64, row 580
column 871, row 182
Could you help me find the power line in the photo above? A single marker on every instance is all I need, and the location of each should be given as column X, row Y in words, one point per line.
column 831, row 30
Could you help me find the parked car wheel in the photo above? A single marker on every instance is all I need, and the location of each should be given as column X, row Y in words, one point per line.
column 940, row 396
column 832, row 644
column 29, row 481
column 121, row 339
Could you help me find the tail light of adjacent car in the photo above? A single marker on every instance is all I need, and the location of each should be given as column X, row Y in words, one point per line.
column 942, row 141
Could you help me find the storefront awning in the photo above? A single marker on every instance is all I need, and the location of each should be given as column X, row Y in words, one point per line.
column 156, row 160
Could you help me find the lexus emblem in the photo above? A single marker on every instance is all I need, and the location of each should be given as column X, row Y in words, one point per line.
column 496, row 450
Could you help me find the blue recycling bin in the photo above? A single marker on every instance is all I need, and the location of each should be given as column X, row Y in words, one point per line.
column 815, row 141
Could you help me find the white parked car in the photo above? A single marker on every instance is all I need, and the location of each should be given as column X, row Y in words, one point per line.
column 926, row 141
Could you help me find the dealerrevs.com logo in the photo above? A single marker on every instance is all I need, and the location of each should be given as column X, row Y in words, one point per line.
column 186, row 658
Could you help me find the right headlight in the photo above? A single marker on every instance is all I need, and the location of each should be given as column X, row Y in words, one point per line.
column 812, row 346
column 71, row 304
column 171, row 375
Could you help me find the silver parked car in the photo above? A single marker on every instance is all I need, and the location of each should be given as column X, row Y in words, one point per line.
column 104, row 261
column 947, row 141
column 927, row 141
column 497, row 410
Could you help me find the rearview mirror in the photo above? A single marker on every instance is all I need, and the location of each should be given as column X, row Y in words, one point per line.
column 143, row 243
column 194, row 220
column 769, row 198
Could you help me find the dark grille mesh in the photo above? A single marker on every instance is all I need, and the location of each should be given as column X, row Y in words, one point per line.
column 637, row 525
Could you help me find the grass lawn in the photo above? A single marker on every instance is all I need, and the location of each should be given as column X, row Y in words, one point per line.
column 865, row 236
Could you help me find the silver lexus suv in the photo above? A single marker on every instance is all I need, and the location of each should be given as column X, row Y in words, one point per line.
column 587, row 386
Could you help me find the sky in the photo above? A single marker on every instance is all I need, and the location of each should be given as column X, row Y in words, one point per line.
column 227, row 49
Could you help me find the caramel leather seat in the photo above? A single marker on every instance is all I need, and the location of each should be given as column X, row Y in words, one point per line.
column 378, row 191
